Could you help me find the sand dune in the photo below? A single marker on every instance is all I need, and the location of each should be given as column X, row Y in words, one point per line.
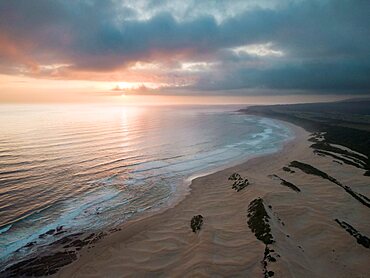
column 307, row 240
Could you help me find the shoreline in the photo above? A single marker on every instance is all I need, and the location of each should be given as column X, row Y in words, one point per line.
column 310, row 227
column 130, row 229
column 187, row 183
column 78, row 237
column 308, row 242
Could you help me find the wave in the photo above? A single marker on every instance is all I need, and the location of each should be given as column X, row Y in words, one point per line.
column 96, row 176
column 4, row 229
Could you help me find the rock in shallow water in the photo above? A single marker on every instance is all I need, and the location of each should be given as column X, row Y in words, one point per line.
column 40, row 266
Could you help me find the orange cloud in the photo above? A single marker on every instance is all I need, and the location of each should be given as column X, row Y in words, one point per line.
column 12, row 51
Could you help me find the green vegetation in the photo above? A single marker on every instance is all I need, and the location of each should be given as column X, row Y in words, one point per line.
column 196, row 223
column 327, row 147
column 346, row 161
column 355, row 159
column 239, row 182
column 267, row 257
column 259, row 224
column 287, row 169
column 308, row 169
column 287, row 183
column 361, row 239
column 343, row 123
column 258, row 221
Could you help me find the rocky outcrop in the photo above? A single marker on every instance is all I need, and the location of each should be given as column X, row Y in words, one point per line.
column 41, row 265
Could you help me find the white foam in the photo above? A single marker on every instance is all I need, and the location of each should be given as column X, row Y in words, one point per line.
column 5, row 229
column 207, row 143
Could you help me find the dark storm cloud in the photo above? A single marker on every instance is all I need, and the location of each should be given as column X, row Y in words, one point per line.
column 329, row 77
column 325, row 43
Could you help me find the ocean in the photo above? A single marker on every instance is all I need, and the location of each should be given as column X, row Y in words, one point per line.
column 90, row 167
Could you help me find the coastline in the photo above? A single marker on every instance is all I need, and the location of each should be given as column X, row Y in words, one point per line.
column 61, row 238
column 185, row 188
column 162, row 243
column 145, row 240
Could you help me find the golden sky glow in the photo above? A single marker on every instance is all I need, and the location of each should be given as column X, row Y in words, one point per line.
column 32, row 90
column 191, row 51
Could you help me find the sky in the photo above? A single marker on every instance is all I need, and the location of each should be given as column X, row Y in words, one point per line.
column 183, row 50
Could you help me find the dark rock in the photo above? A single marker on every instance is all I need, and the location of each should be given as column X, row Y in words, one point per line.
column 40, row 266
column 113, row 230
column 78, row 243
column 50, row 232
column 59, row 233
column 30, row 244
column 61, row 241
column 50, row 264
column 65, row 239
column 90, row 236
column 98, row 237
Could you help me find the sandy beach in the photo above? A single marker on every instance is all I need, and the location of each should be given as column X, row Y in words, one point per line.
column 308, row 242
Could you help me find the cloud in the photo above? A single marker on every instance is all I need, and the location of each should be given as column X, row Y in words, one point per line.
column 11, row 51
column 258, row 50
column 320, row 46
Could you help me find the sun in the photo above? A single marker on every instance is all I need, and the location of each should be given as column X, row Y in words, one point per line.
column 126, row 85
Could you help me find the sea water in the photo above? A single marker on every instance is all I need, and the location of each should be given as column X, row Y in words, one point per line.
column 87, row 167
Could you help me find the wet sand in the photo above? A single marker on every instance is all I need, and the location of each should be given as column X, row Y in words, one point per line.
column 308, row 241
